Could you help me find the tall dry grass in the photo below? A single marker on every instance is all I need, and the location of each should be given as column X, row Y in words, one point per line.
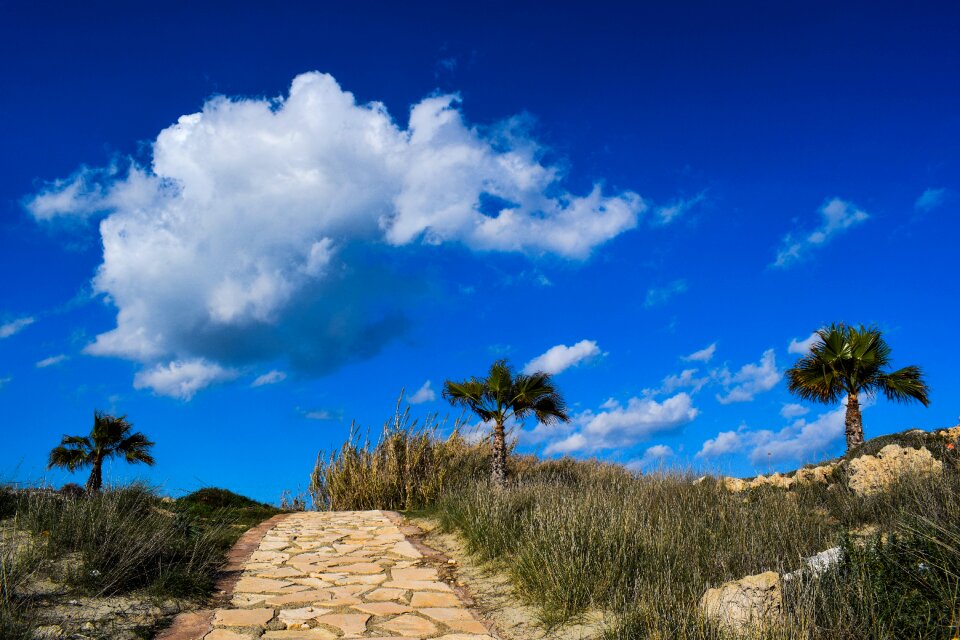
column 409, row 466
column 577, row 537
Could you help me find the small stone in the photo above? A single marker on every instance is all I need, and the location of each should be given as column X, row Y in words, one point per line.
column 380, row 595
column 242, row 617
column 383, row 608
column 426, row 599
column 414, row 574
column 410, row 625
column 351, row 624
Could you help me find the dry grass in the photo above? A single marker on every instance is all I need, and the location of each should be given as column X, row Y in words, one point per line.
column 581, row 536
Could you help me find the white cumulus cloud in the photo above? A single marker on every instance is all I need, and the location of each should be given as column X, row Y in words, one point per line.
column 262, row 228
column 800, row 441
column 562, row 357
column 837, row 216
column 423, row 394
column 751, row 379
column 686, row 379
column 14, row 326
column 271, row 377
column 181, row 378
column 617, row 426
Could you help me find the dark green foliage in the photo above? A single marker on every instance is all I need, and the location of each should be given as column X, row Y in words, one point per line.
column 8, row 502
column 215, row 498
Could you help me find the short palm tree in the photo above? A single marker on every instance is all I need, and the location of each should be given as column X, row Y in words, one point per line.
column 109, row 437
column 853, row 360
column 503, row 395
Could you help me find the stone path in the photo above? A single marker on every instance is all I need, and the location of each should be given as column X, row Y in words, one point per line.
column 347, row 574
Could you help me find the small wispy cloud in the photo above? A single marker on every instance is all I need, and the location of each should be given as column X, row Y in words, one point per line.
column 15, row 326
column 4, row 381
column 321, row 414
column 677, row 208
column 52, row 360
column 561, row 357
column 423, row 394
column 837, row 216
column 271, row 377
column 931, row 199
column 703, row 355
column 657, row 296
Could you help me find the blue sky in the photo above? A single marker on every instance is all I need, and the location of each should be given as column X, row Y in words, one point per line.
column 246, row 225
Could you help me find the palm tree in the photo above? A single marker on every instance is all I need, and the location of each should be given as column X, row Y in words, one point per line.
column 109, row 437
column 852, row 360
column 503, row 395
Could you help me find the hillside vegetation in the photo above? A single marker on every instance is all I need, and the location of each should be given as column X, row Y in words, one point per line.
column 114, row 564
column 580, row 537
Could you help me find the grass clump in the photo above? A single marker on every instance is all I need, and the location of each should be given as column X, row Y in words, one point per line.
column 409, row 467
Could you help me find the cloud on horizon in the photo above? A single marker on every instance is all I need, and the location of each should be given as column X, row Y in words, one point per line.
column 800, row 441
column 263, row 229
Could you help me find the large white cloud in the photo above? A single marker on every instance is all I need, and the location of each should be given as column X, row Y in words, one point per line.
column 618, row 426
column 562, row 357
column 262, row 228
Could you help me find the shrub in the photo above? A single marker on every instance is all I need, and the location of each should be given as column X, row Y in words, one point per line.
column 219, row 499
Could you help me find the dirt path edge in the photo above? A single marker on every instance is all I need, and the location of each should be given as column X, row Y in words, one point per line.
column 193, row 625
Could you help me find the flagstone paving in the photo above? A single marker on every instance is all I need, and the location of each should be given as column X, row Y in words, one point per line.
column 346, row 574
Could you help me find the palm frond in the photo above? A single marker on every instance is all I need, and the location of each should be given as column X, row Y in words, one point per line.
column 904, row 385
column 68, row 457
column 136, row 448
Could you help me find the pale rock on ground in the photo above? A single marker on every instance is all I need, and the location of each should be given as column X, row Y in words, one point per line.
column 748, row 603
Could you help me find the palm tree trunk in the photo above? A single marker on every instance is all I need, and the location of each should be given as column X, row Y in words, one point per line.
column 853, row 422
column 499, row 464
column 95, row 481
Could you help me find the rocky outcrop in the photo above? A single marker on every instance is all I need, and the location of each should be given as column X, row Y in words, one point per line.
column 810, row 475
column 746, row 604
column 868, row 475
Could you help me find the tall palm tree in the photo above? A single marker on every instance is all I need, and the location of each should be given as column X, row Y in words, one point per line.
column 503, row 395
column 852, row 360
column 109, row 437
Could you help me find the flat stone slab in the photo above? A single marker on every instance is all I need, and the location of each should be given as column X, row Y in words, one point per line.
column 339, row 575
